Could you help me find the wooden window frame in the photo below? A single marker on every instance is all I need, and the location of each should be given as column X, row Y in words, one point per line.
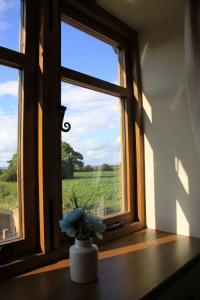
column 41, row 184
column 119, row 91
column 24, row 62
column 94, row 20
column 79, row 16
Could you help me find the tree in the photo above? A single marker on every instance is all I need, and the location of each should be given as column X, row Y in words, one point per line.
column 71, row 161
column 10, row 174
column 88, row 168
column 106, row 167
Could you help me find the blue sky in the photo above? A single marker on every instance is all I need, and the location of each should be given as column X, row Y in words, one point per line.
column 94, row 117
column 84, row 53
column 9, row 23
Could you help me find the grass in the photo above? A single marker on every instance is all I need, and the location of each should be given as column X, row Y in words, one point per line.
column 8, row 195
column 101, row 189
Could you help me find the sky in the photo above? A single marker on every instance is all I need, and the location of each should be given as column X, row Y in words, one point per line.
column 94, row 117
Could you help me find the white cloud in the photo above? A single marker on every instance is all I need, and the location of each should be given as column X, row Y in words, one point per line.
column 9, row 88
column 89, row 111
column 118, row 140
column 6, row 5
column 8, row 124
column 94, row 119
column 8, row 137
column 4, row 158
column 3, row 25
column 76, row 97
column 95, row 151
column 103, row 152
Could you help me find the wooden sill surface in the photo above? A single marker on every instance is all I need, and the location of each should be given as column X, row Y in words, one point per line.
column 138, row 266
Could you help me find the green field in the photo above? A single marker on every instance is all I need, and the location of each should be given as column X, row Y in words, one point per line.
column 8, row 195
column 101, row 189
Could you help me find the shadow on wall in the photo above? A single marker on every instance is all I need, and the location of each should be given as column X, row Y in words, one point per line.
column 172, row 166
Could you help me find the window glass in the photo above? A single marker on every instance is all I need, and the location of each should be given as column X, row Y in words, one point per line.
column 92, row 153
column 10, row 23
column 10, row 211
column 87, row 54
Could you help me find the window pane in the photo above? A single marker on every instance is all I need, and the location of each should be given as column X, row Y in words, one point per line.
column 92, row 151
column 10, row 223
column 10, row 23
column 84, row 53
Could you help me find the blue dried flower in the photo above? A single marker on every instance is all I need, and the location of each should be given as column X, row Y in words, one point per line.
column 95, row 224
column 69, row 221
column 82, row 224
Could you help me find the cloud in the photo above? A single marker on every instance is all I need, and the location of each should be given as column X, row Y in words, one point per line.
column 89, row 111
column 6, row 5
column 103, row 152
column 94, row 118
column 9, row 88
column 95, row 150
column 8, row 137
column 95, row 124
column 118, row 140
column 8, row 123
column 3, row 25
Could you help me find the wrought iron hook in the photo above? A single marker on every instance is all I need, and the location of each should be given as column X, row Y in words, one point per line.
column 66, row 125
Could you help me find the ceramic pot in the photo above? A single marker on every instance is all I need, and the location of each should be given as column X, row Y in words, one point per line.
column 83, row 257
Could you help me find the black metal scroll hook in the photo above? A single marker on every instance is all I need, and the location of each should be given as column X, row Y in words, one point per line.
column 66, row 125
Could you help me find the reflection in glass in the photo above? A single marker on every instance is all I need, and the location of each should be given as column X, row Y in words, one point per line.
column 92, row 150
column 10, row 221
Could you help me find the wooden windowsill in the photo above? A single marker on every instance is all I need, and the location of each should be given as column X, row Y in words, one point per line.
column 138, row 265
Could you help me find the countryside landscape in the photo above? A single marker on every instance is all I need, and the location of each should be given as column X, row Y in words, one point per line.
column 98, row 186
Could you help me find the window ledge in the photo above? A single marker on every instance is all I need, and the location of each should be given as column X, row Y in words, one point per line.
column 34, row 260
column 139, row 265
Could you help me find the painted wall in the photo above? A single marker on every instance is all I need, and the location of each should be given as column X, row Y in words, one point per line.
column 172, row 161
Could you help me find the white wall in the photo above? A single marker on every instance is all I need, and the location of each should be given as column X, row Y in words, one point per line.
column 172, row 162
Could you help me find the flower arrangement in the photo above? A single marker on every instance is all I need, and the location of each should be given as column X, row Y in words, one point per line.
column 81, row 224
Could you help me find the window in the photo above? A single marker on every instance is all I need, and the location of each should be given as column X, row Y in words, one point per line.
column 93, row 151
column 96, row 92
column 10, row 207
column 93, row 156
column 103, row 109
column 17, row 130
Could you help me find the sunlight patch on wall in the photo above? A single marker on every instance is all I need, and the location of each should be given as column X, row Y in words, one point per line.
column 144, row 52
column 149, row 190
column 182, row 224
column 182, row 175
column 177, row 98
column 147, row 107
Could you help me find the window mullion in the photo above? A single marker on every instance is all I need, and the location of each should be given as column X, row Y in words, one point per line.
column 48, row 125
column 87, row 81
column 12, row 58
column 27, row 146
column 138, row 129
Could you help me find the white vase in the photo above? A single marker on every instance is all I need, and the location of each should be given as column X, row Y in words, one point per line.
column 83, row 257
